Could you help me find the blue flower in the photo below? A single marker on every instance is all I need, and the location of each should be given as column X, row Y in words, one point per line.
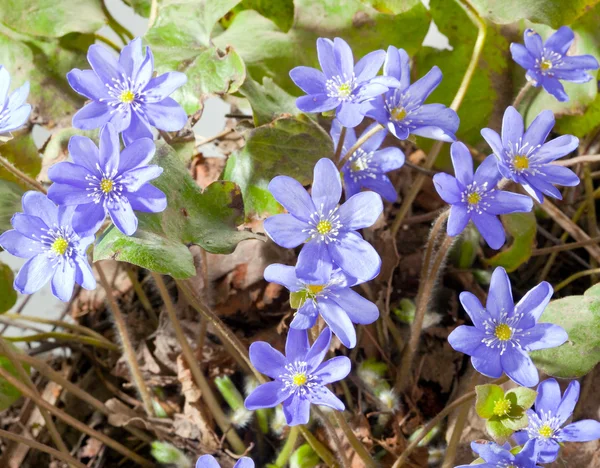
column 546, row 421
column 475, row 197
column 503, row 333
column 402, row 111
column 499, row 456
column 341, row 85
column 54, row 249
column 106, row 181
column 339, row 305
column 523, row 156
column 13, row 110
column 208, row 461
column 328, row 230
column 548, row 63
column 300, row 377
column 124, row 93
column 368, row 165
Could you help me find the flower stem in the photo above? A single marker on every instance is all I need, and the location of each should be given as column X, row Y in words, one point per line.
column 333, row 435
column 63, row 337
column 524, row 90
column 141, row 294
column 430, row 272
column 288, row 447
column 34, row 184
column 340, row 145
column 322, row 451
column 377, row 128
column 128, row 350
column 67, row 458
column 357, row 445
column 207, row 394
column 108, row 42
column 570, row 279
column 117, row 27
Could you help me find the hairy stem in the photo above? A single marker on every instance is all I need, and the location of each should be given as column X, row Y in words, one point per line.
column 322, row 451
column 128, row 350
column 288, row 447
column 524, row 90
column 356, row 444
column 377, row 128
column 67, row 458
column 333, row 436
column 340, row 145
column 141, row 294
column 31, row 182
column 207, row 394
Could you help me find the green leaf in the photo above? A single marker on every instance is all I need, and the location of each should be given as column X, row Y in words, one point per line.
column 522, row 227
column 391, row 7
column 580, row 317
column 464, row 251
column 52, row 18
column 180, row 40
column 141, row 7
column 525, row 397
column 550, row 12
column 22, row 152
column 8, row 393
column 274, row 53
column 268, row 101
column 8, row 296
column 304, row 457
column 280, row 12
column 487, row 396
column 208, row 218
column 10, row 203
column 499, row 432
column 287, row 146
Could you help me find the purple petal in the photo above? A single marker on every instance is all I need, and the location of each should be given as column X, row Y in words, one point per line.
column 447, row 188
column 579, row 62
column 37, row 204
column 343, row 57
column 326, row 186
column 508, row 202
column 560, row 41
column 568, row 402
column 318, row 350
column 267, row 395
column 163, row 86
column 574, row 76
column 166, row 115
column 70, row 174
column 490, row 228
column 317, row 103
column 63, row 281
column 458, row 219
column 512, row 127
column 541, row 185
column 349, row 140
column 518, row 366
column 146, row 70
column 296, row 345
column 355, row 256
column 284, row 275
column 324, row 397
column 132, row 180
column 148, row 199
column 30, row 226
column 34, row 274
column 88, row 218
column 109, row 149
column 296, row 410
column 388, row 159
column 438, row 122
column 244, row 462
column 310, row 80
column 360, row 211
column 62, row 194
column 462, row 162
column 533, row 304
column 339, row 322
column 548, row 397
column 533, row 42
column 333, row 370
column 87, row 83
column 368, row 66
column 359, row 309
column 373, row 143
column 84, row 276
column 486, row 361
column 521, row 55
column 397, row 65
column 375, row 108
column 488, row 173
column 500, row 298
column 92, row 115
column 122, row 216
column 286, row 230
column 491, row 451
column 138, row 129
column 350, row 114
column 554, row 87
column 267, row 360
column 131, row 57
column 381, row 185
column 493, row 139
column 423, row 87
column 539, row 129
column 543, row 336
column 327, row 57
column 139, row 153
column 581, row 431
column 18, row 245
column 557, row 148
column 466, row 339
column 314, row 262
column 474, row 309
column 207, row 461
column 84, row 153
column 546, row 450
column 293, row 196
column 104, row 64
column 305, row 317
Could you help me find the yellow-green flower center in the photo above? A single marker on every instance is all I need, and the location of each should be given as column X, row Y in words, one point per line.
column 398, row 113
column 521, row 162
column 127, row 96
column 502, row 407
column 503, row 332
column 344, row 90
column 60, row 246
column 546, row 65
column 299, row 379
column 315, row 288
column 358, row 165
column 323, row 227
column 473, row 198
column 106, row 185
column 546, row 431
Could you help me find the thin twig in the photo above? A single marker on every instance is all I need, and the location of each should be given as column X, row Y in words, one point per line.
column 34, row 184
column 522, row 93
column 39, row 337
column 340, row 144
column 580, row 274
column 377, row 128
column 586, row 158
column 356, row 444
column 563, row 247
column 322, row 451
column 333, row 435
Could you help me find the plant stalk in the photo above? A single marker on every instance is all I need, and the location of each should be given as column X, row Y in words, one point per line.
column 34, row 184
column 377, row 128
column 333, row 435
column 322, row 451
column 288, row 447
column 356, row 444
column 340, row 145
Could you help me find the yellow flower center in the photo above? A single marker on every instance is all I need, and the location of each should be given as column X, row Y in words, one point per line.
column 299, row 380
column 503, row 332
column 546, row 431
column 358, row 165
column 398, row 113
column 106, row 185
column 315, row 288
column 473, row 198
column 60, row 246
column 324, row 227
column 344, row 90
column 127, row 97
column 502, row 407
column 546, row 65
column 521, row 162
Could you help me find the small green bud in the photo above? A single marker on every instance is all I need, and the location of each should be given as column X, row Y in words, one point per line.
column 168, row 454
column 304, row 457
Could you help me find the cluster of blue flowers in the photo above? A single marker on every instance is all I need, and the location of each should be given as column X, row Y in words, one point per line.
column 53, row 233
